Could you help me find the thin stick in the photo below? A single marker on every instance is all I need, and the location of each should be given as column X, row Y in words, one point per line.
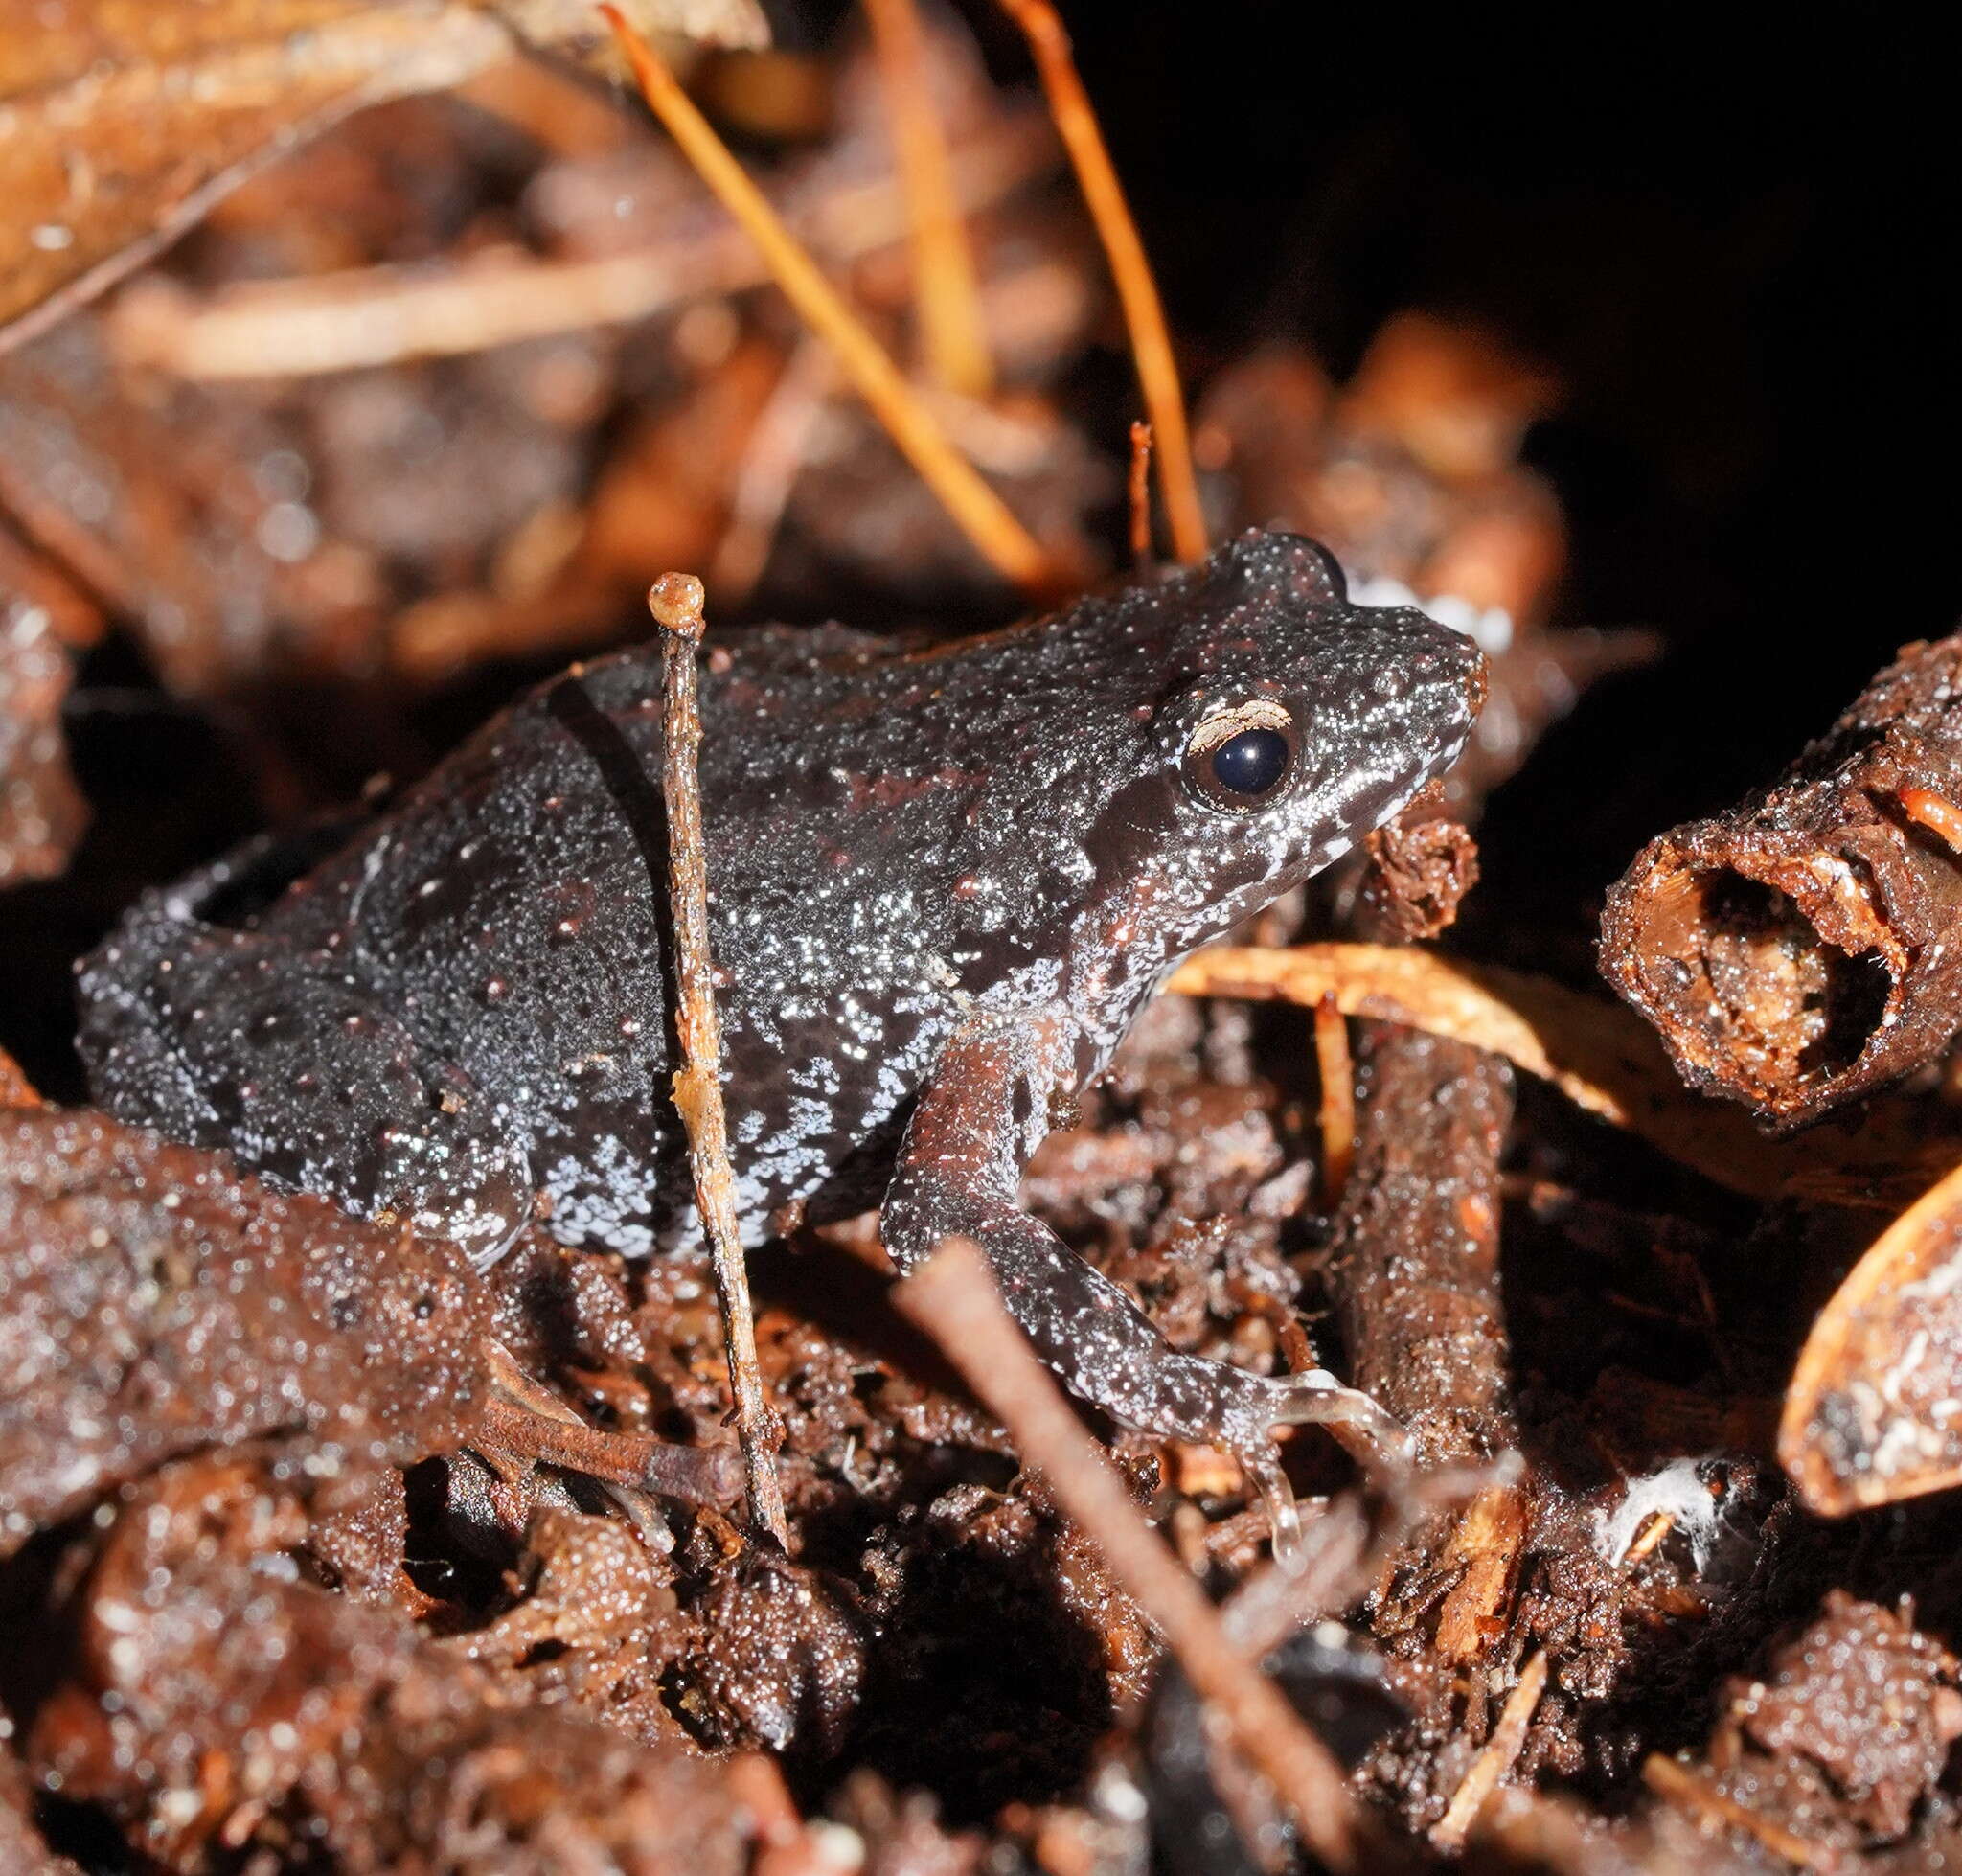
column 1140, row 489
column 377, row 316
column 1143, row 314
column 702, row 1474
column 1681, row 1786
column 1935, row 812
column 676, row 600
column 953, row 1298
column 767, row 474
column 981, row 513
column 1496, row 1758
column 1337, row 1107
column 944, row 286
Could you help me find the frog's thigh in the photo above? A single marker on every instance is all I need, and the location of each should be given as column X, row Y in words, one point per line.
column 315, row 1084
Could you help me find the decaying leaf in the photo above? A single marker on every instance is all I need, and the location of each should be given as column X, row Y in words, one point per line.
column 122, row 121
column 1874, row 1412
column 154, row 1303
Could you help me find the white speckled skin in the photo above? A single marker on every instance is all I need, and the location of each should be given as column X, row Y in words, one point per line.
column 943, row 883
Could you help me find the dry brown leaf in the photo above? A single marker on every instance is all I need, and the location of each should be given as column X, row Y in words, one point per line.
column 122, row 121
column 1601, row 1057
column 1874, row 1412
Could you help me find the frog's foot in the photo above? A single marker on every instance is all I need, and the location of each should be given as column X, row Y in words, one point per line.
column 1254, row 1406
column 971, row 1133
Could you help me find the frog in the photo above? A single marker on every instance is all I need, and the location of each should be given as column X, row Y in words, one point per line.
column 944, row 877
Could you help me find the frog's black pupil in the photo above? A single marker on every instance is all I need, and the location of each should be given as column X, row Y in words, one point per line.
column 1252, row 762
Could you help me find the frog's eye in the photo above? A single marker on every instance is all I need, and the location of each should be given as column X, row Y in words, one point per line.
column 1242, row 757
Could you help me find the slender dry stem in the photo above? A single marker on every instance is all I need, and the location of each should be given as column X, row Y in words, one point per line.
column 953, row 1296
column 944, row 289
column 676, row 601
column 701, row 1474
column 1139, row 488
column 981, row 513
column 1685, row 1789
column 1496, row 1758
column 1143, row 314
column 1337, row 1068
column 377, row 316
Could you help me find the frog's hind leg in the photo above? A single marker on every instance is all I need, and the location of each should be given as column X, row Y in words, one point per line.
column 980, row 1116
column 225, row 1038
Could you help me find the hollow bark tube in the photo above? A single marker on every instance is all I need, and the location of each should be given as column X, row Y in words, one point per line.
column 1806, row 946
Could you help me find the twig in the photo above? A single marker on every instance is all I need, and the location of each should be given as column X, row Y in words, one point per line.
column 380, row 315
column 697, row 1473
column 981, row 513
column 779, row 443
column 1935, row 812
column 951, row 328
column 1140, row 491
column 1144, row 315
column 1678, row 1784
column 1496, row 1758
column 1652, row 1535
column 676, row 601
column 953, row 1298
column 1337, row 1114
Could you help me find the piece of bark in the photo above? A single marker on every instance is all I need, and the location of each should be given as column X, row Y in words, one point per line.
column 1419, row 871
column 122, row 121
column 1415, row 1277
column 1416, row 1241
column 1799, row 949
column 154, row 1302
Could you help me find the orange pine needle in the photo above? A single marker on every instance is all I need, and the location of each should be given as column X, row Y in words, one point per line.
column 1935, row 812
column 1141, row 494
column 1337, row 1116
column 944, row 287
column 1076, row 123
column 980, row 513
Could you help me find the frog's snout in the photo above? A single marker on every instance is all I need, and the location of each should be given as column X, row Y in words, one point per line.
column 1441, row 680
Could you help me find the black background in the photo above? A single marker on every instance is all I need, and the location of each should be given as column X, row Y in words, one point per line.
column 1735, row 251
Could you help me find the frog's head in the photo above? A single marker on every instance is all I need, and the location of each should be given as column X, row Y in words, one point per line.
column 1286, row 724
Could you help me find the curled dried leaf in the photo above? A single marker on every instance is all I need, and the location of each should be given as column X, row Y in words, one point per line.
column 1874, row 1412
column 1601, row 1057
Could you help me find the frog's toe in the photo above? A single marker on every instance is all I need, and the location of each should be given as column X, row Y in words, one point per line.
column 1315, row 1397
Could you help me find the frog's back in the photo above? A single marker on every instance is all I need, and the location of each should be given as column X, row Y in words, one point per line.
column 509, row 916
